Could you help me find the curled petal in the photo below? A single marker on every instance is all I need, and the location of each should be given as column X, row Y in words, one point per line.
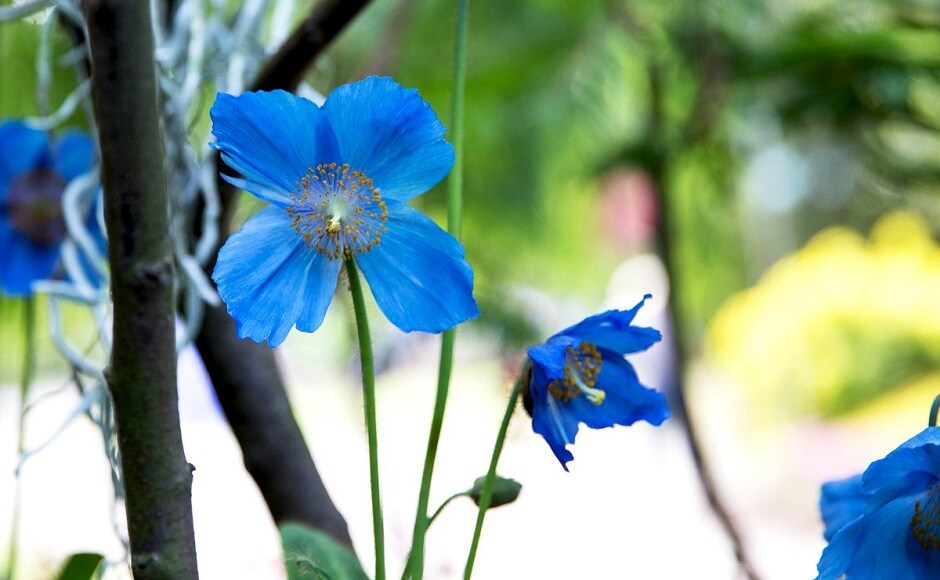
column 391, row 134
column 418, row 274
column 613, row 330
column 626, row 401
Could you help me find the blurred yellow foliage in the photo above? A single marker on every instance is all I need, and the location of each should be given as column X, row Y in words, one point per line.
column 838, row 323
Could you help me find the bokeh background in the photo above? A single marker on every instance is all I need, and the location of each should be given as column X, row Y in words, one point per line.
column 771, row 167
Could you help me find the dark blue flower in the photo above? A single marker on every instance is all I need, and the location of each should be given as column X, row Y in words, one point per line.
column 885, row 523
column 580, row 376
column 338, row 178
column 33, row 176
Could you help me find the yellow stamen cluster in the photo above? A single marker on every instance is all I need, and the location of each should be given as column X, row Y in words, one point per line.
column 582, row 368
column 926, row 520
column 338, row 212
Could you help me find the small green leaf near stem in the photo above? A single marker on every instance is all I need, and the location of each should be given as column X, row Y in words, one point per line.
column 368, row 395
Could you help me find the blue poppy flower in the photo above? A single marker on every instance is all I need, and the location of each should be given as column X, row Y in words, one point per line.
column 885, row 523
column 338, row 178
column 580, row 375
column 33, row 175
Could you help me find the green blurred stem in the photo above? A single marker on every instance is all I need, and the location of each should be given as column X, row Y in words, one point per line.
column 932, row 420
column 29, row 336
column 406, row 573
column 454, row 203
column 368, row 395
column 487, row 493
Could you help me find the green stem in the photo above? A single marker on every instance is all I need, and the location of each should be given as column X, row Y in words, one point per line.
column 29, row 334
column 368, row 395
column 454, row 203
column 406, row 573
column 487, row 493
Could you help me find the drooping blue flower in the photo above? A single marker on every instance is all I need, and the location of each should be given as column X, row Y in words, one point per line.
column 338, row 178
column 33, row 175
column 885, row 523
column 580, row 375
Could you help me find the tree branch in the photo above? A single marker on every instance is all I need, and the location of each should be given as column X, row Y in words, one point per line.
column 142, row 372
column 286, row 68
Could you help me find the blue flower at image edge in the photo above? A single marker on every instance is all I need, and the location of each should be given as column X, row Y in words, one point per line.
column 885, row 523
column 33, row 176
column 580, row 375
column 338, row 178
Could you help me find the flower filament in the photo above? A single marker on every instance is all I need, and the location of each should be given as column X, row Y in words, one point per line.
column 926, row 520
column 34, row 204
column 582, row 368
column 338, row 212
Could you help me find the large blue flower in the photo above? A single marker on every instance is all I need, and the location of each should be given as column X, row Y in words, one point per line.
column 580, row 376
column 338, row 178
column 885, row 523
column 33, row 176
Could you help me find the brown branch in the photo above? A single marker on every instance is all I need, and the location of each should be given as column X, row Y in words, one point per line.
column 286, row 68
column 142, row 371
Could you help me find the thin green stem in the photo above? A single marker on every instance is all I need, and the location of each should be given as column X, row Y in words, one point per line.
column 406, row 573
column 368, row 395
column 932, row 420
column 29, row 335
column 487, row 493
column 454, row 203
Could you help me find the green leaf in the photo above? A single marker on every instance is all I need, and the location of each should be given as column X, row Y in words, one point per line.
column 505, row 491
column 81, row 566
column 310, row 554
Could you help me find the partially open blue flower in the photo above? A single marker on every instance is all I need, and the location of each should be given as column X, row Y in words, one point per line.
column 33, row 176
column 338, row 178
column 580, row 375
column 885, row 523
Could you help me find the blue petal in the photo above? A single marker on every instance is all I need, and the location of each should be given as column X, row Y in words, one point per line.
column 626, row 402
column 22, row 262
column 270, row 280
column 886, row 548
column 418, row 274
column 550, row 420
column 612, row 330
column 21, row 148
column 550, row 355
column 904, row 470
column 271, row 138
column 390, row 134
column 838, row 554
column 73, row 154
column 841, row 502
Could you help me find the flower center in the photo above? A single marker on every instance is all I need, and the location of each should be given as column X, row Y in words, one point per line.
column 925, row 524
column 338, row 212
column 34, row 204
column 582, row 367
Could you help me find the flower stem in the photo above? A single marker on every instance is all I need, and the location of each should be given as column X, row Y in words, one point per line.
column 406, row 573
column 487, row 492
column 29, row 332
column 932, row 420
column 415, row 562
column 368, row 395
